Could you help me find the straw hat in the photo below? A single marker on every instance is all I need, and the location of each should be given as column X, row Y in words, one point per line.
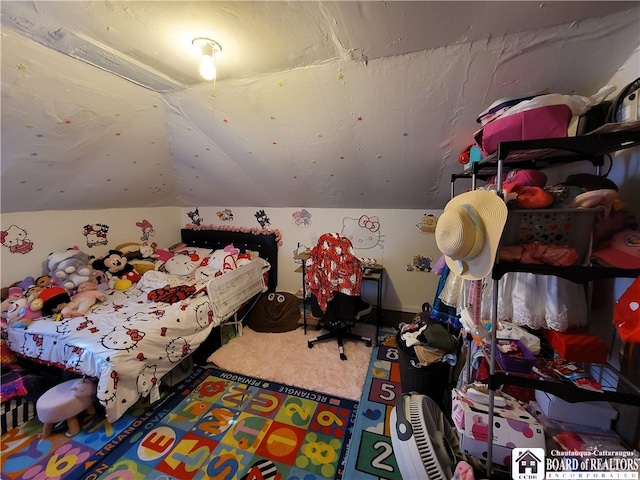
column 469, row 230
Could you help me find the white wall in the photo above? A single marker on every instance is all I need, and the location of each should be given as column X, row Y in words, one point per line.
column 51, row 231
column 400, row 240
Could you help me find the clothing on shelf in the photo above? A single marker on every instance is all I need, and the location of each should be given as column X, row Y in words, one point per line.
column 537, row 301
column 525, row 299
column 427, row 342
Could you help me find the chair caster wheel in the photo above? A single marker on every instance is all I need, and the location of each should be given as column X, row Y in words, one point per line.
column 368, row 344
column 343, row 356
column 309, row 344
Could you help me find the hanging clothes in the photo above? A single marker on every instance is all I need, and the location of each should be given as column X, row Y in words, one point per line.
column 441, row 311
column 332, row 266
column 537, row 301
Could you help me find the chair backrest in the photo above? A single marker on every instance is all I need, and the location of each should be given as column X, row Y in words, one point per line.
column 341, row 308
column 332, row 267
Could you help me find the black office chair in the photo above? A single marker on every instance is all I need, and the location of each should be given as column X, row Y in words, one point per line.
column 333, row 281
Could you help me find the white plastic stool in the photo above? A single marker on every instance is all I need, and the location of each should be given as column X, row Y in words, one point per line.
column 64, row 402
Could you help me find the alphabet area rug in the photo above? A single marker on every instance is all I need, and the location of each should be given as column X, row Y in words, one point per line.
column 24, row 454
column 215, row 424
column 371, row 455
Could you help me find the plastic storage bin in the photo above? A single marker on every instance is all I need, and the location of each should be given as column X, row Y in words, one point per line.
column 577, row 345
column 552, row 226
column 513, row 363
column 551, row 121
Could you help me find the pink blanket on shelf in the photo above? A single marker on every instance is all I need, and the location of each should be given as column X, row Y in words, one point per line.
column 538, row 253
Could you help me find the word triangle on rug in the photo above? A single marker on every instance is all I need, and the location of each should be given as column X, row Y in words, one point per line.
column 225, row 425
column 24, row 454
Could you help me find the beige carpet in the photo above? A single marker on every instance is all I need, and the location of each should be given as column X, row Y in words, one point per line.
column 286, row 358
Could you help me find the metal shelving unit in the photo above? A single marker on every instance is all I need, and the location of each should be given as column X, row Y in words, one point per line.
column 539, row 154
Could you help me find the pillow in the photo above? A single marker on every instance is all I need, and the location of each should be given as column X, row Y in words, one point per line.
column 143, row 266
column 186, row 259
column 275, row 312
column 182, row 264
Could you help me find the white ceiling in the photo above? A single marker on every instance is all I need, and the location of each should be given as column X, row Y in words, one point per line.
column 317, row 104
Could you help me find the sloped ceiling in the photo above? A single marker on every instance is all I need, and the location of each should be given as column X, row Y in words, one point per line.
column 317, row 104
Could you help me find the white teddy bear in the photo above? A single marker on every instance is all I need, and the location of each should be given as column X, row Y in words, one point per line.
column 70, row 268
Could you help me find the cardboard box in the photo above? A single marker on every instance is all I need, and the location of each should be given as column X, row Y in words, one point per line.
column 513, row 427
column 470, row 446
column 592, row 414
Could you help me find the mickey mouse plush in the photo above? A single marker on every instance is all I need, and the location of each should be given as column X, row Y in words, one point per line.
column 115, row 263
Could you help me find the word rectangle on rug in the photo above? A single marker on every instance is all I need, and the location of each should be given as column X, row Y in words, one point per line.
column 227, row 426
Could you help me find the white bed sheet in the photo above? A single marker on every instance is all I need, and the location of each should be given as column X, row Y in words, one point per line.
column 127, row 342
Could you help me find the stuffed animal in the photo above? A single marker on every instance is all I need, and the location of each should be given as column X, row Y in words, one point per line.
column 117, row 266
column 24, row 285
column 44, row 281
column 86, row 297
column 227, row 259
column 32, row 309
column 69, row 268
column 147, row 260
column 10, row 308
column 130, row 250
column 148, row 250
column 182, row 264
column 101, row 278
column 53, row 300
column 217, row 260
column 27, row 283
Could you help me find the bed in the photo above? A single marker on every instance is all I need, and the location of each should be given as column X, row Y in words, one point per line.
column 128, row 342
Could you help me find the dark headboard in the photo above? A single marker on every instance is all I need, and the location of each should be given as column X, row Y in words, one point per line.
column 265, row 244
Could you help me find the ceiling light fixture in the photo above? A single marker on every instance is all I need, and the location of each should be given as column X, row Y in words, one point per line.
column 208, row 48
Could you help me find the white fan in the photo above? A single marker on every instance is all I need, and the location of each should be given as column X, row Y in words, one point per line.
column 424, row 443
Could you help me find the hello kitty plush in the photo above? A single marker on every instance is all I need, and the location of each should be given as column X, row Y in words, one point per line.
column 182, row 264
column 221, row 261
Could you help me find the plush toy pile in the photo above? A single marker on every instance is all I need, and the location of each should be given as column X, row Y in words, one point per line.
column 73, row 282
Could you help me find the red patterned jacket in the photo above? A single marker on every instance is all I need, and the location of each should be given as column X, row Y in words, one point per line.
column 332, row 266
